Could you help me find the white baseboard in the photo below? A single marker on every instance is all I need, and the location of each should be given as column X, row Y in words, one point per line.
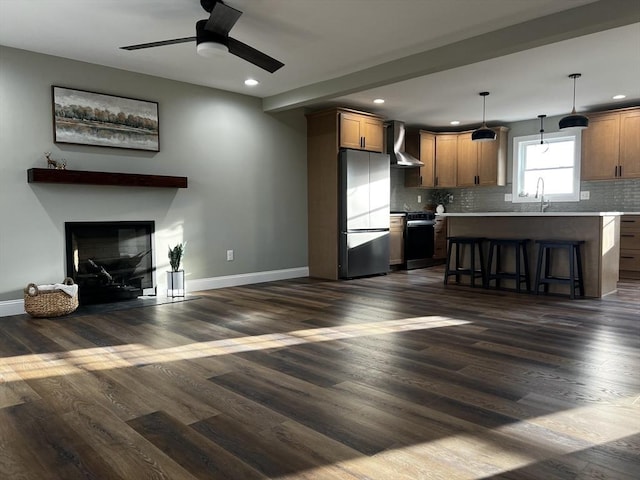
column 11, row 307
column 245, row 279
column 16, row 307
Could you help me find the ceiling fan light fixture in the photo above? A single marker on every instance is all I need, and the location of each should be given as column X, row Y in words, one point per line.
column 211, row 49
column 484, row 133
column 574, row 120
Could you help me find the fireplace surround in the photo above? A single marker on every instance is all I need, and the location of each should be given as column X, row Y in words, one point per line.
column 110, row 261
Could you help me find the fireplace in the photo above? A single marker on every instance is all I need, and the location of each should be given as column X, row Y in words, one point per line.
column 110, row 261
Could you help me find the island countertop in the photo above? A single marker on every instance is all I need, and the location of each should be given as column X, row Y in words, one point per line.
column 532, row 214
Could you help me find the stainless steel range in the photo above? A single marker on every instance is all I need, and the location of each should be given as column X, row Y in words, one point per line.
column 419, row 239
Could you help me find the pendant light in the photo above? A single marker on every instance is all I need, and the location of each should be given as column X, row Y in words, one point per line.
column 544, row 146
column 574, row 120
column 483, row 134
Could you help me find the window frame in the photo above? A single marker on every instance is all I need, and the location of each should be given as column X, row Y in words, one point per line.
column 518, row 146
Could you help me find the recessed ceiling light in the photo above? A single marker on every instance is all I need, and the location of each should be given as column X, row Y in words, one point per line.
column 455, row 122
column 619, row 97
column 250, row 82
column 379, row 100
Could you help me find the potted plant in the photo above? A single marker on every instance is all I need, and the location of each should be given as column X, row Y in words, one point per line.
column 441, row 198
column 175, row 278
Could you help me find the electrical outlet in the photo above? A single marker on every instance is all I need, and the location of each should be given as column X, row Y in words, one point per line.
column 419, row 198
column 585, row 195
column 229, row 255
column 508, row 197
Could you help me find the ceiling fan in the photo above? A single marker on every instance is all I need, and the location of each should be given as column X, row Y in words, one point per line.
column 213, row 33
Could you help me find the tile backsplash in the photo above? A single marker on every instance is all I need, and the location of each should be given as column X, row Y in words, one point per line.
column 611, row 195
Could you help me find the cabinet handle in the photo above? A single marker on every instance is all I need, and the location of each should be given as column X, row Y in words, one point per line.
column 630, row 235
column 615, row 171
column 628, row 258
column 436, row 181
column 420, row 179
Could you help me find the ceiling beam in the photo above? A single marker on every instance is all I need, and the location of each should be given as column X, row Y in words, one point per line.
column 591, row 18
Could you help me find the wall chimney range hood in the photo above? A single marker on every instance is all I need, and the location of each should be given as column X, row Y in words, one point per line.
column 395, row 146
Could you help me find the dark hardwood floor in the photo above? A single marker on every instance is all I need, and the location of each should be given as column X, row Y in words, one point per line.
column 392, row 377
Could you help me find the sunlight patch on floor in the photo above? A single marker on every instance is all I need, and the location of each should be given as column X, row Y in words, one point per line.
column 487, row 452
column 44, row 365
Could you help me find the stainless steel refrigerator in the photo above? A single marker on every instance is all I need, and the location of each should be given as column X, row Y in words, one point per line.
column 364, row 213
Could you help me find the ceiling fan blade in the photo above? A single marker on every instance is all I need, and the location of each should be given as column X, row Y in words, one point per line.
column 222, row 19
column 159, row 44
column 252, row 55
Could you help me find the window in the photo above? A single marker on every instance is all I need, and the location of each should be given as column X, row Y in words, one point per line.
column 556, row 161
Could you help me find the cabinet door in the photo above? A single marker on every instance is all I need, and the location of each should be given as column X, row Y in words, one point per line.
column 630, row 144
column 396, row 240
column 491, row 160
column 467, row 160
column 446, row 160
column 372, row 129
column 440, row 238
column 600, row 148
column 350, row 132
column 428, row 157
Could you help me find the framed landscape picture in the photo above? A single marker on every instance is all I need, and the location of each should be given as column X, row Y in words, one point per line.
column 90, row 118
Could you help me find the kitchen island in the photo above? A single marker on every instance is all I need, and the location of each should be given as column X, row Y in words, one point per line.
column 599, row 230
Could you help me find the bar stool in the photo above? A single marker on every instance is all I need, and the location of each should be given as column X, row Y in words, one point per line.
column 521, row 262
column 474, row 243
column 575, row 278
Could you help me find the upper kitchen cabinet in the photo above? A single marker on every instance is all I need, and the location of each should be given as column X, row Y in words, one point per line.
column 361, row 131
column 446, row 159
column 611, row 145
column 421, row 144
column 482, row 163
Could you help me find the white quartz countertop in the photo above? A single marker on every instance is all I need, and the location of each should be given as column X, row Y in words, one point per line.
column 532, row 214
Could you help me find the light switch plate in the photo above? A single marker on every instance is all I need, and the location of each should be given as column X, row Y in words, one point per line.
column 508, row 197
column 585, row 195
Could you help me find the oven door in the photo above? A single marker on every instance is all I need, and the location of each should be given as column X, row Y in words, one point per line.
column 419, row 243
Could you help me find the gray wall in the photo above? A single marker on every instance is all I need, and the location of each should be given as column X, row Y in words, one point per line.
column 610, row 195
column 246, row 170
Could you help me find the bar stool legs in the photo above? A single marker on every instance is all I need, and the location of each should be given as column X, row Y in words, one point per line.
column 545, row 278
column 521, row 263
column 474, row 243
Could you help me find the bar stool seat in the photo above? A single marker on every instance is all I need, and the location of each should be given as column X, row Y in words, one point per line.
column 545, row 278
column 472, row 270
column 521, row 273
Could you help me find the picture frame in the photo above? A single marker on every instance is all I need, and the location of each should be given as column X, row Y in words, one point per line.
column 83, row 117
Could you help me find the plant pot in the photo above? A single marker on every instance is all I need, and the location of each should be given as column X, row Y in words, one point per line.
column 440, row 208
column 175, row 284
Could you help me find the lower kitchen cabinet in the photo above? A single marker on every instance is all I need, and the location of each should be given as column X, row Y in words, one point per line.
column 630, row 246
column 396, row 240
column 440, row 239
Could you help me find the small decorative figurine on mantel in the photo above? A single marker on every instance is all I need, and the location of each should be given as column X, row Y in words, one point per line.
column 58, row 165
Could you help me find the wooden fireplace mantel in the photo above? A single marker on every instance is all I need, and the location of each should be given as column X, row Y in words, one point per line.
column 82, row 177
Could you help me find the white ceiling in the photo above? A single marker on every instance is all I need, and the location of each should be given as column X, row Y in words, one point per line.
column 427, row 58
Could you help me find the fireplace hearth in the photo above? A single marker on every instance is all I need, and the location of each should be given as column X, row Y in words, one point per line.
column 110, row 261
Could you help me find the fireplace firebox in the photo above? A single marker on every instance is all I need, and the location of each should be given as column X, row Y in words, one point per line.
column 110, row 261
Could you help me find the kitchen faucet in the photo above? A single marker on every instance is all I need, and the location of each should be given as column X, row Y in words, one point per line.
column 543, row 206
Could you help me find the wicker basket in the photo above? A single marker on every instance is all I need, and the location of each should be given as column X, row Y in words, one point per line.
column 50, row 303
